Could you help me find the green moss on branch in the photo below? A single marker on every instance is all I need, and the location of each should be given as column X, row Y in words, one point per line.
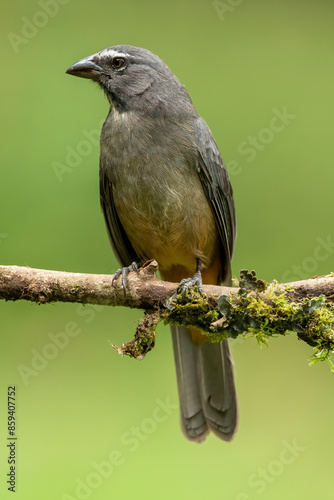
column 260, row 311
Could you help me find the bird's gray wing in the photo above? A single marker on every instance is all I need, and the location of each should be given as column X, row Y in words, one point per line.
column 119, row 241
column 213, row 175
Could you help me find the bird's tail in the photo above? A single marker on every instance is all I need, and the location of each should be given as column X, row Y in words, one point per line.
column 208, row 400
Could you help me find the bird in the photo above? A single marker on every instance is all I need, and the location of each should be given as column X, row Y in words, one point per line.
column 165, row 195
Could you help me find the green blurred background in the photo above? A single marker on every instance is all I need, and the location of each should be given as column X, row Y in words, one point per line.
column 85, row 416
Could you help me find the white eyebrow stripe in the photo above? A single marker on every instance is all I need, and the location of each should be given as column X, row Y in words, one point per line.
column 113, row 53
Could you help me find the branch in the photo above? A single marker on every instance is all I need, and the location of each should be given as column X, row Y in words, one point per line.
column 255, row 308
column 144, row 291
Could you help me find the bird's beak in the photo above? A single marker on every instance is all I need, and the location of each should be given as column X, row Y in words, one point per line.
column 86, row 68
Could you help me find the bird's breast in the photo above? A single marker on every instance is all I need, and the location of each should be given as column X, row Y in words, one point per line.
column 158, row 195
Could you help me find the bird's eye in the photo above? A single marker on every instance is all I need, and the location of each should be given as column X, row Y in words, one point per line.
column 118, row 62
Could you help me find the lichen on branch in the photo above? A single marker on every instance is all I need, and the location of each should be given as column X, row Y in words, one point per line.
column 259, row 310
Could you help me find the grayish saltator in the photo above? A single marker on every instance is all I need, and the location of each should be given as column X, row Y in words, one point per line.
column 165, row 195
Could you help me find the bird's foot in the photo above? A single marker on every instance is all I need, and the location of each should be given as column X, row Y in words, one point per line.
column 124, row 271
column 195, row 280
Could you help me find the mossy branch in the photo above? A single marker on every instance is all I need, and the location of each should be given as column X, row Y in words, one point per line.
column 254, row 309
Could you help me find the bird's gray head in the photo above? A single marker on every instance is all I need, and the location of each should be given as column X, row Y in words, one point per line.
column 133, row 78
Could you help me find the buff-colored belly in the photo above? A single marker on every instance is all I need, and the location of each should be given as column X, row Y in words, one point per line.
column 174, row 227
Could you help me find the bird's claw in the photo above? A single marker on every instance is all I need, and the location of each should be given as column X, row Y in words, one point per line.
column 186, row 283
column 124, row 271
